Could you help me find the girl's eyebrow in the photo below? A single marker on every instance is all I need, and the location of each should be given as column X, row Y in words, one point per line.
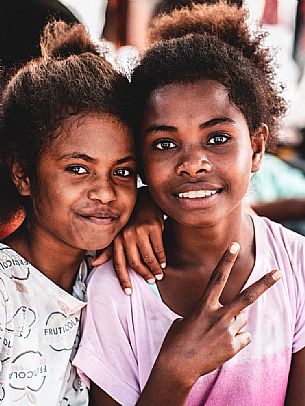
column 129, row 158
column 207, row 124
column 217, row 120
column 77, row 155
column 88, row 158
column 156, row 127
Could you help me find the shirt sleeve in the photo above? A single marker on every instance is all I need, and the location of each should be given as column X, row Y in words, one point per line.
column 106, row 354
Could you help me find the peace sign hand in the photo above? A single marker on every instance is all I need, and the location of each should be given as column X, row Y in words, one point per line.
column 212, row 333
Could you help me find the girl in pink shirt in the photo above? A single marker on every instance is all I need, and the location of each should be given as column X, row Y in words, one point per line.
column 207, row 107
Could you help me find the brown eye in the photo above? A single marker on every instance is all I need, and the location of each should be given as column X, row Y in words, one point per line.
column 123, row 172
column 218, row 139
column 77, row 170
column 164, row 145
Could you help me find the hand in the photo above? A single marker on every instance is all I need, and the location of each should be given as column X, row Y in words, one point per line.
column 212, row 333
column 102, row 256
column 139, row 244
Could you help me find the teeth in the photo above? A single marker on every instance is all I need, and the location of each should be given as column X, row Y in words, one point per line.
column 197, row 194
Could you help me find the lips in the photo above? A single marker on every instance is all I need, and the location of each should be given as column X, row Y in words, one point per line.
column 198, row 195
column 203, row 187
column 101, row 218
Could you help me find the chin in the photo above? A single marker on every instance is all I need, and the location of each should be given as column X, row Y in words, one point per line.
column 98, row 245
column 94, row 244
column 198, row 220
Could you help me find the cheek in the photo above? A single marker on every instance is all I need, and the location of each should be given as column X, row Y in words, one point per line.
column 128, row 200
column 245, row 161
column 55, row 199
column 154, row 179
column 157, row 170
column 240, row 168
column 45, row 196
column 239, row 159
column 131, row 201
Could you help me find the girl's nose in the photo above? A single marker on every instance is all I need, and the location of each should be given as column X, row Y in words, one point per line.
column 194, row 165
column 102, row 190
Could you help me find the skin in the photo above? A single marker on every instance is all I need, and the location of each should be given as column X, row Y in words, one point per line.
column 193, row 159
column 206, row 146
column 201, row 341
column 140, row 244
column 181, row 134
column 296, row 391
column 83, row 195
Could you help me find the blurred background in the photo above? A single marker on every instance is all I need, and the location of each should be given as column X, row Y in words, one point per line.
column 120, row 27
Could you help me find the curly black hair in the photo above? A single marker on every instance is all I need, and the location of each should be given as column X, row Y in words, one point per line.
column 212, row 42
column 167, row 6
column 70, row 79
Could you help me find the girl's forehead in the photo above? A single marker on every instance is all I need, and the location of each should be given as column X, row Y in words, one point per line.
column 201, row 98
column 93, row 134
column 200, row 91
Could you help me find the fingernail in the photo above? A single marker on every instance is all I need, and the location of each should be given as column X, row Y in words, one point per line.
column 151, row 280
column 163, row 265
column 127, row 291
column 276, row 275
column 234, row 248
column 159, row 277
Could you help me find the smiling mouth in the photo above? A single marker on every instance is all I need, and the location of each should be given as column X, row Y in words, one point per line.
column 100, row 219
column 197, row 194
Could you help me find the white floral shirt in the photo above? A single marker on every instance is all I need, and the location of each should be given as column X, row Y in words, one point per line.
column 39, row 327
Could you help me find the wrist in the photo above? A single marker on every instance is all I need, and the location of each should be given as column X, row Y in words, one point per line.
column 170, row 371
column 162, row 389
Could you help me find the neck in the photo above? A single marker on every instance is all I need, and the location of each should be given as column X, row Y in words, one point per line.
column 54, row 258
column 204, row 246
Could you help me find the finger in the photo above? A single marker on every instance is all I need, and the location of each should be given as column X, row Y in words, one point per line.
column 242, row 330
column 134, row 261
column 241, row 341
column 238, row 323
column 252, row 293
column 119, row 265
column 103, row 257
column 158, row 247
column 148, row 257
column 220, row 275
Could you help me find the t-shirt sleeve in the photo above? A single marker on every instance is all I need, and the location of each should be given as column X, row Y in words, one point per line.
column 106, row 354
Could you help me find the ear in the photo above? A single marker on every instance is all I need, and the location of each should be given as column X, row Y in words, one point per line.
column 21, row 179
column 258, row 143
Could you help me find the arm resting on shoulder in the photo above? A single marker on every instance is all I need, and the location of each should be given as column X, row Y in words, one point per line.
column 139, row 244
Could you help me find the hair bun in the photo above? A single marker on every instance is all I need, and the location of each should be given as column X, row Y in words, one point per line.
column 227, row 22
column 60, row 40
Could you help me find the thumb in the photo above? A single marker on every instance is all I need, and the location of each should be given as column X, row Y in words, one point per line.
column 103, row 256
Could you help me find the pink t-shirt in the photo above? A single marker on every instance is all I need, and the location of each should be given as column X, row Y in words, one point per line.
column 122, row 335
